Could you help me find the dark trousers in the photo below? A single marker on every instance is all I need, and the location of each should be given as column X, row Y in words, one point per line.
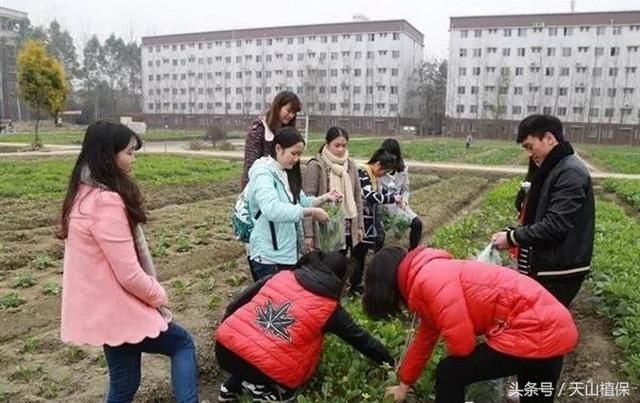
column 261, row 270
column 564, row 289
column 359, row 254
column 453, row 374
column 415, row 236
column 239, row 370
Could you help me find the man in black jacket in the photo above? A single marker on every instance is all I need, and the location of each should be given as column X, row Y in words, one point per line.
column 557, row 212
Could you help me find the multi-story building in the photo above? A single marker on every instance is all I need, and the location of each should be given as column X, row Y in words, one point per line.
column 354, row 74
column 582, row 67
column 11, row 22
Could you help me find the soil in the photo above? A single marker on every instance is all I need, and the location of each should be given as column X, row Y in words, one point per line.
column 202, row 267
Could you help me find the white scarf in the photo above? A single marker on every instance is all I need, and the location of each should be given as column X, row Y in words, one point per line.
column 140, row 241
column 340, row 180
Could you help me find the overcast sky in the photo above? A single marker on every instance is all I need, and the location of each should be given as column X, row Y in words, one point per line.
column 132, row 19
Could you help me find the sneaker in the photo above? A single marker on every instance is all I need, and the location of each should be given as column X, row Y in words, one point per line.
column 226, row 395
column 268, row 393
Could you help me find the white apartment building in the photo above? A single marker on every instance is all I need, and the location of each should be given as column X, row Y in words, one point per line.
column 11, row 22
column 355, row 74
column 582, row 67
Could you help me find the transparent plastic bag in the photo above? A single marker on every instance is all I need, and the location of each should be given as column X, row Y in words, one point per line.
column 331, row 235
column 490, row 255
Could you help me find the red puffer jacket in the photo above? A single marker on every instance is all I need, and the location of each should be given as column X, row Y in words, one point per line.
column 462, row 299
column 280, row 331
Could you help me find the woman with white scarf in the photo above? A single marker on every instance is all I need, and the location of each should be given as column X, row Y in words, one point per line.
column 332, row 169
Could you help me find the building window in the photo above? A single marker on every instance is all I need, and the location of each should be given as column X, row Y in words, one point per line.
column 522, row 32
column 546, row 110
column 615, row 51
column 507, row 32
column 564, row 71
column 521, row 52
column 462, row 71
column 563, row 91
column 562, row 111
column 519, row 71
column 548, row 91
column 459, row 108
column 594, row 112
column 611, row 92
column 506, row 51
column 613, row 71
column 516, row 110
column 567, row 31
column 476, row 71
column 551, row 51
column 553, row 31
column 616, row 30
column 517, row 90
column 395, row 54
column 461, row 90
column 473, row 108
column 597, row 71
column 595, row 92
column 548, row 71
column 477, row 33
column 475, row 89
column 566, row 52
column 464, row 33
column 463, row 52
column 608, row 113
column 477, row 52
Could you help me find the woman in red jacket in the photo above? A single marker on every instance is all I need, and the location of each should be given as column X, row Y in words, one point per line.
column 527, row 331
column 270, row 340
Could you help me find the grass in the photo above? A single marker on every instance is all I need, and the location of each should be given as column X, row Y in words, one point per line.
column 615, row 158
column 485, row 152
column 627, row 189
column 11, row 300
column 47, row 178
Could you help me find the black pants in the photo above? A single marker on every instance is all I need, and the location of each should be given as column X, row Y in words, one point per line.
column 415, row 236
column 359, row 253
column 239, row 370
column 564, row 289
column 453, row 374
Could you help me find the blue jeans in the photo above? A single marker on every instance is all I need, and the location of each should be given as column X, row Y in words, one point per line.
column 124, row 365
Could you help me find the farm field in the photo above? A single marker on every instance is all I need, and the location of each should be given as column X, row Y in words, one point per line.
column 202, row 266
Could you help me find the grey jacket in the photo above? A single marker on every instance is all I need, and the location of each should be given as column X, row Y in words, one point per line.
column 315, row 182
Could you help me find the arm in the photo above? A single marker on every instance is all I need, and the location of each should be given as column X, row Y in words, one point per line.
column 404, row 186
column 252, row 150
column 245, row 296
column 112, row 233
column 567, row 197
column 272, row 208
column 357, row 194
column 418, row 353
column 342, row 325
column 371, row 196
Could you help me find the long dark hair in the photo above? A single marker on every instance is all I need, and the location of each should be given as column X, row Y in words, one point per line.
column 382, row 299
column 335, row 261
column 279, row 101
column 333, row 133
column 286, row 137
column 102, row 141
column 393, row 147
column 386, row 159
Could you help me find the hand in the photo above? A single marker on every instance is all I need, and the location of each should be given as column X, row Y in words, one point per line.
column 320, row 215
column 499, row 240
column 308, row 245
column 398, row 200
column 359, row 235
column 334, row 196
column 398, row 392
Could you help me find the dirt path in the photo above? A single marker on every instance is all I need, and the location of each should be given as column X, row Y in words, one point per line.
column 179, row 148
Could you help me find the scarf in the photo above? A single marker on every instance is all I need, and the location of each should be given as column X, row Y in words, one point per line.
column 537, row 176
column 340, row 180
column 140, row 241
column 372, row 177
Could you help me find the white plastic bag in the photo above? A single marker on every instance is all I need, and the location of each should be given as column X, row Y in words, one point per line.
column 490, row 255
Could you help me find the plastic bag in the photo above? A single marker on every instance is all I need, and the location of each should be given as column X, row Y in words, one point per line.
column 331, row 235
column 490, row 255
column 396, row 225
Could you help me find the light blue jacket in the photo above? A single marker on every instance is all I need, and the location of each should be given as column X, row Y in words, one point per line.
column 267, row 193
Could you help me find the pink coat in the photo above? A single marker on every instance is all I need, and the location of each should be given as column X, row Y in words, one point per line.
column 106, row 296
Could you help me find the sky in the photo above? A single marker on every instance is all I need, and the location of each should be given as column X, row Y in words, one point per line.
column 132, row 19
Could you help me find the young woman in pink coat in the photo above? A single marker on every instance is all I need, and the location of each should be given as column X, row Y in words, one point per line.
column 110, row 296
column 526, row 330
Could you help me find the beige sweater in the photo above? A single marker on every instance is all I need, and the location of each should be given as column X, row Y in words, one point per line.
column 315, row 182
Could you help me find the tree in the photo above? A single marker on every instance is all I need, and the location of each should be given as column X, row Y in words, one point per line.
column 92, row 71
column 60, row 45
column 42, row 82
column 427, row 95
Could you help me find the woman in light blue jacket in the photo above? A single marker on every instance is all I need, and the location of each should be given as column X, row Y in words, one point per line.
column 278, row 205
